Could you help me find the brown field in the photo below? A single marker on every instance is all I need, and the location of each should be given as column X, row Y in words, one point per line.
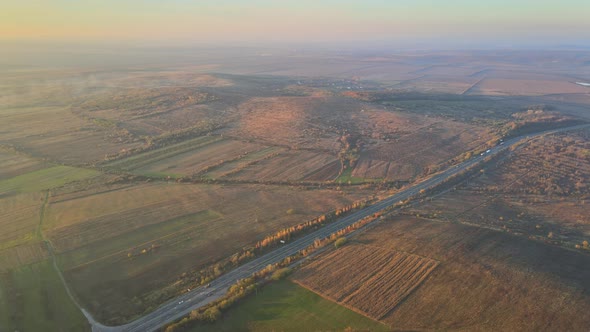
column 486, row 280
column 407, row 153
column 202, row 158
column 58, row 134
column 540, row 190
column 439, row 84
column 231, row 167
column 500, row 86
column 126, row 243
column 12, row 164
column 182, row 227
column 292, row 166
column 371, row 279
column 287, row 121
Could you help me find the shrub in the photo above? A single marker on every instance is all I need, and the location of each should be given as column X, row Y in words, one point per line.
column 281, row 273
column 212, row 314
column 340, row 242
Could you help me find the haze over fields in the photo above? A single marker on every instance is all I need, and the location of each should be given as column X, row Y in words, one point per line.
column 294, row 166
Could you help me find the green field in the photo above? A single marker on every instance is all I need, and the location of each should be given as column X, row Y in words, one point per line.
column 286, row 306
column 346, row 177
column 46, row 178
column 32, row 298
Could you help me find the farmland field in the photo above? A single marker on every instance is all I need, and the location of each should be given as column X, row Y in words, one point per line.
column 58, row 134
column 44, row 179
column 399, row 156
column 32, row 298
column 147, row 158
column 496, row 86
column 372, row 280
column 19, row 219
column 538, row 191
column 285, row 306
column 137, row 176
column 202, row 158
column 232, row 167
column 485, row 280
column 139, row 239
column 12, row 164
column 292, row 166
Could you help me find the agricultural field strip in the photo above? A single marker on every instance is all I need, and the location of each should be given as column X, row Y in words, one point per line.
column 27, row 217
column 45, row 178
column 235, row 166
column 94, row 229
column 233, row 160
column 184, row 304
column 207, row 156
column 321, row 172
column 486, row 201
column 297, row 166
column 20, row 255
column 377, row 279
column 293, row 166
column 149, row 157
column 125, row 251
column 61, row 198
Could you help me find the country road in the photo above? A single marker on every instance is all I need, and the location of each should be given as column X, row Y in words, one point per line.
column 200, row 296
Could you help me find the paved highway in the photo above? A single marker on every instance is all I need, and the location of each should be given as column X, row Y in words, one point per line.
column 198, row 297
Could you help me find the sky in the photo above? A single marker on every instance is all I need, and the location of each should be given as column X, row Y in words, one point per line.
column 227, row 21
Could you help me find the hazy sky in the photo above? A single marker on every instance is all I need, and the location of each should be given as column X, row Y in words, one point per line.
column 287, row 20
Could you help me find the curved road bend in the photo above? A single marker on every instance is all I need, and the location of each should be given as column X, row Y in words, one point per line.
column 198, row 297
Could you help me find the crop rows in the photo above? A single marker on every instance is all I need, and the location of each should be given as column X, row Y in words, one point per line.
column 22, row 255
column 150, row 157
column 369, row 279
column 110, row 225
column 289, row 166
column 205, row 158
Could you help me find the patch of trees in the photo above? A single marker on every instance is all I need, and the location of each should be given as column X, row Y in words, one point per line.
column 212, row 312
column 535, row 119
column 340, row 242
column 349, row 152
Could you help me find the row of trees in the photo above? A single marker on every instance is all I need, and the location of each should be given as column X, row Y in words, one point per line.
column 271, row 272
column 286, row 233
column 213, row 271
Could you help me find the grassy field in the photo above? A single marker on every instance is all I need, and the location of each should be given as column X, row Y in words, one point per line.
column 32, row 298
column 44, row 179
column 19, row 219
column 346, row 177
column 285, row 306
